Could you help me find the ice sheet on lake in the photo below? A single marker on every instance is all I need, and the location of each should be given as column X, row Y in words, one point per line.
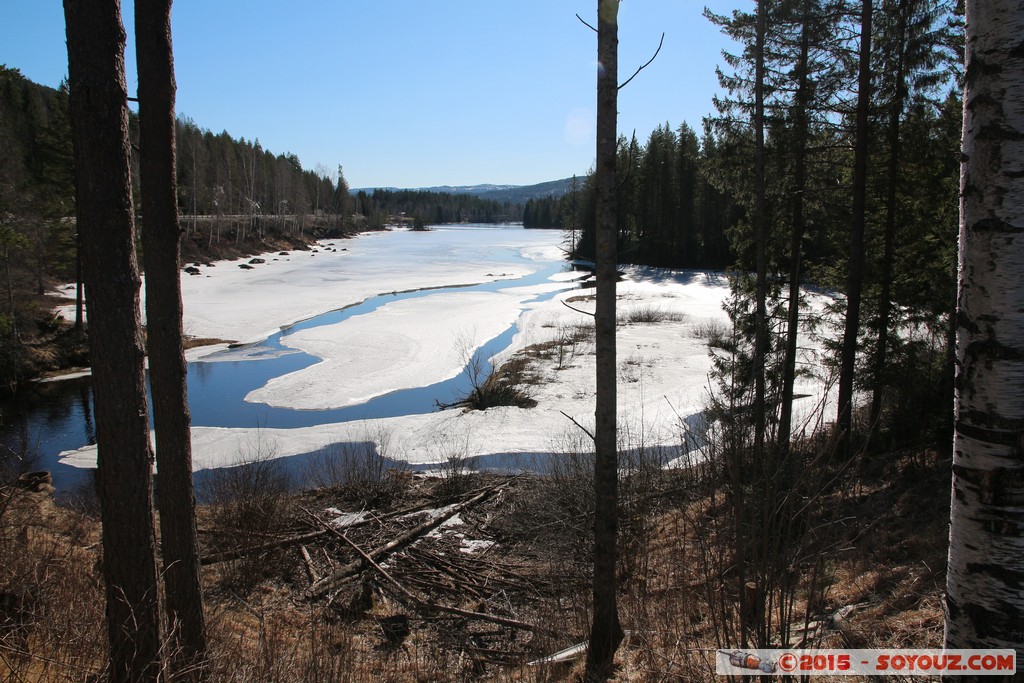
column 401, row 345
column 663, row 367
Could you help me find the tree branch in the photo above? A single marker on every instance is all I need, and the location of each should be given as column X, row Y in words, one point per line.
column 646, row 64
column 586, row 24
column 573, row 420
column 573, row 308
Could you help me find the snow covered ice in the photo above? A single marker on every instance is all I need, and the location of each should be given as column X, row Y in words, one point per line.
column 663, row 366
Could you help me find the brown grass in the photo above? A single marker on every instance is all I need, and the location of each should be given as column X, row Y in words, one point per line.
column 883, row 577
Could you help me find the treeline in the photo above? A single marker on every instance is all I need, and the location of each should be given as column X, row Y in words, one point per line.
column 36, row 183
column 670, row 213
column 240, row 187
column 424, row 207
column 37, row 233
column 545, row 212
column 232, row 195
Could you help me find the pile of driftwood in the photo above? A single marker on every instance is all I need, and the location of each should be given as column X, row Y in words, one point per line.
column 437, row 564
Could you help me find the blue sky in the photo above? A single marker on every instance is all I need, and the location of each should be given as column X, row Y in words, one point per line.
column 409, row 93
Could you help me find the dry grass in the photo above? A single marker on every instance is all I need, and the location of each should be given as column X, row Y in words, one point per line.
column 883, row 576
column 648, row 314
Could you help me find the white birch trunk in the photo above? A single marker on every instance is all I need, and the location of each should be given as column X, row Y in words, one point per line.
column 985, row 579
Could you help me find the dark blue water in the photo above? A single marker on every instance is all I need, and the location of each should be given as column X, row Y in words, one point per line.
column 57, row 417
column 217, row 389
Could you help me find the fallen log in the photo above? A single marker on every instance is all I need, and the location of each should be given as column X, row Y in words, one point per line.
column 237, row 553
column 433, row 606
column 337, row 577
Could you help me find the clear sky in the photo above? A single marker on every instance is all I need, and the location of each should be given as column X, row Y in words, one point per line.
column 412, row 93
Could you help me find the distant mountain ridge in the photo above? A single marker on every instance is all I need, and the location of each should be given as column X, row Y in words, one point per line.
column 516, row 194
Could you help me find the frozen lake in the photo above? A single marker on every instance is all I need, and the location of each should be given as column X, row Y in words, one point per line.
column 442, row 299
column 357, row 341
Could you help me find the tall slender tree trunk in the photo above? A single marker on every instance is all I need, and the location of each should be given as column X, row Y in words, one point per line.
column 606, row 632
column 79, row 287
column 161, row 236
column 889, row 230
column 750, row 548
column 855, row 274
column 800, row 126
column 760, row 239
column 99, row 117
column 984, row 601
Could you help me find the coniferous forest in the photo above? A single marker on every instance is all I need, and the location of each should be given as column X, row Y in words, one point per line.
column 878, row 227
column 684, row 199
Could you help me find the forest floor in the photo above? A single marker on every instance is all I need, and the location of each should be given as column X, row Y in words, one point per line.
column 390, row 576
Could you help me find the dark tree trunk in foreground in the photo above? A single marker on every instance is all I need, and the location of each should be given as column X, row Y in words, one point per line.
column 889, row 231
column 99, row 116
column 855, row 276
column 605, row 632
column 984, row 601
column 760, row 240
column 160, row 240
column 800, row 137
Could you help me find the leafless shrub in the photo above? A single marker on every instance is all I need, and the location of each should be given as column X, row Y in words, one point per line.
column 769, row 525
column 455, row 465
column 648, row 314
column 491, row 387
column 569, row 340
column 361, row 472
column 249, row 504
column 508, row 385
column 556, row 511
column 712, row 331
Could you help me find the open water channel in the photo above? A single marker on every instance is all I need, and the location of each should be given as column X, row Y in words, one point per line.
column 57, row 416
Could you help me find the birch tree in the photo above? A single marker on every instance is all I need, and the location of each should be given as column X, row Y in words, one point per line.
column 984, row 602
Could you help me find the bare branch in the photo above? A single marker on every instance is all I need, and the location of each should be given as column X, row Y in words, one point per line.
column 573, row 420
column 586, row 24
column 646, row 64
column 573, row 308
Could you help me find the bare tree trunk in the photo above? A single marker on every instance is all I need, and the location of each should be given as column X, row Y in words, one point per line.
column 99, row 117
column 606, row 632
column 161, row 237
column 760, row 239
column 889, row 231
column 855, row 274
column 79, row 286
column 800, row 124
column 984, row 602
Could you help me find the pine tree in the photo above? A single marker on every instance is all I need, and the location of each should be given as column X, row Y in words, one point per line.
column 99, row 117
column 605, row 632
column 161, row 237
